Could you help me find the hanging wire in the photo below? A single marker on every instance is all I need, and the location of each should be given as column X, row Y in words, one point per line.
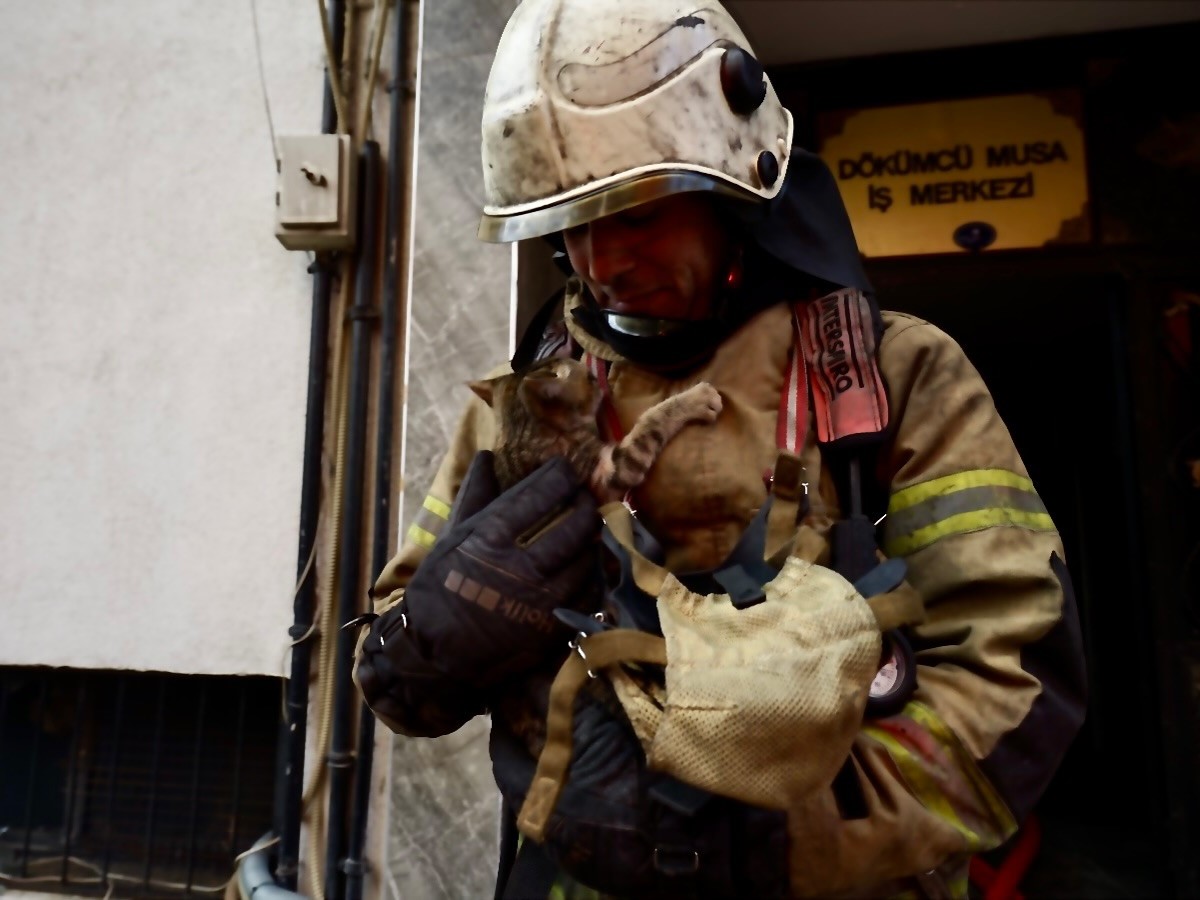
column 262, row 78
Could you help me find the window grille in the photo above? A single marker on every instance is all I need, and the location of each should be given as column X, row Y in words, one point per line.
column 142, row 785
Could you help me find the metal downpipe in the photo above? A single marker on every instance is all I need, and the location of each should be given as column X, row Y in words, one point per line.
column 294, row 732
column 341, row 757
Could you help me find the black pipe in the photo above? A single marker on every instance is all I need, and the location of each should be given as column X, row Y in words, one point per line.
column 384, row 434
column 289, row 781
column 340, row 759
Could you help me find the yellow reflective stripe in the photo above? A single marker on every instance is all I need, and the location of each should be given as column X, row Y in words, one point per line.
column 961, row 503
column 566, row 888
column 429, row 521
column 923, row 787
column 420, row 536
column 932, row 723
column 437, row 507
column 962, row 523
column 917, row 772
column 949, row 484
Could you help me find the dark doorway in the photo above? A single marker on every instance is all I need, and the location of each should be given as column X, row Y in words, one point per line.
column 1054, row 352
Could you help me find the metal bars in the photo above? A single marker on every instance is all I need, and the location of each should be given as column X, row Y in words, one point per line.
column 142, row 783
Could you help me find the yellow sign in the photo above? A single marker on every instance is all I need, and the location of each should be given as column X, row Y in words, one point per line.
column 964, row 175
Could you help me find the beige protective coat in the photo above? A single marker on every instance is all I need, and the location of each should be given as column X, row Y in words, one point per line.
column 979, row 547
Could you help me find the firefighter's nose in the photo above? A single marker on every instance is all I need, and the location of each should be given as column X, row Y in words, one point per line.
column 609, row 250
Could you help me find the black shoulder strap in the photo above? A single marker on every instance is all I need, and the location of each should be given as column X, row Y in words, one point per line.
column 852, row 538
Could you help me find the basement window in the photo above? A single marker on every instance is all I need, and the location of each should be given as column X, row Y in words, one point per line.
column 133, row 784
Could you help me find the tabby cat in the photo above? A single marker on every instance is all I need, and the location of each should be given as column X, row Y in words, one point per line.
column 550, row 410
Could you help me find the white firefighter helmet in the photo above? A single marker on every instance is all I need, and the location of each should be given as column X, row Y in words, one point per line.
column 594, row 106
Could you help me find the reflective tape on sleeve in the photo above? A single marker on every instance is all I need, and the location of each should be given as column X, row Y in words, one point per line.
column 942, row 775
column 431, row 518
column 964, row 502
column 421, row 537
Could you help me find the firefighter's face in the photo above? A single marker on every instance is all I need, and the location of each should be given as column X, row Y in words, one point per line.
column 664, row 259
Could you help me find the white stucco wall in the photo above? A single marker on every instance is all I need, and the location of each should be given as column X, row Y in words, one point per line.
column 153, row 333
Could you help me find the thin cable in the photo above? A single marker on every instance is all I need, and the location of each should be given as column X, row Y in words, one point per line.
column 380, row 25
column 331, row 64
column 312, row 627
column 256, row 848
column 262, row 78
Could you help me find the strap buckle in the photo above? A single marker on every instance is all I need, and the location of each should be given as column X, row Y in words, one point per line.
column 586, row 630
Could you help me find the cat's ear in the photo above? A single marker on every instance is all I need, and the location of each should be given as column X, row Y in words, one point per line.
column 485, row 389
column 542, row 388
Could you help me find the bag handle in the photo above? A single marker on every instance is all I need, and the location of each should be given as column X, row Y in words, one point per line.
column 596, row 652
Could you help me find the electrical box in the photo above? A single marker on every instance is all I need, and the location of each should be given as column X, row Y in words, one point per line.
column 314, row 201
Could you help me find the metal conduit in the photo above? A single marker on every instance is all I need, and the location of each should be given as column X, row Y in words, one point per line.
column 290, row 778
column 341, row 757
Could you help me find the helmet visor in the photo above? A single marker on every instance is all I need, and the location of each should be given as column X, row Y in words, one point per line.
column 599, row 203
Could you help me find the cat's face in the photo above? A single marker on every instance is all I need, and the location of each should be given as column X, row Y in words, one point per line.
column 561, row 392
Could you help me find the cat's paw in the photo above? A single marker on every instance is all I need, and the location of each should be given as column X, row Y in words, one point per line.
column 703, row 402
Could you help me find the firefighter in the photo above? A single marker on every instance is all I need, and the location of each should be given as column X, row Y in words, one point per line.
column 645, row 140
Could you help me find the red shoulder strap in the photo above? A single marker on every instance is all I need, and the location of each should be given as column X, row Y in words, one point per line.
column 839, row 341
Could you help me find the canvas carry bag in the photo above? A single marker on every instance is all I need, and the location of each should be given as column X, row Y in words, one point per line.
column 677, row 742
column 759, row 702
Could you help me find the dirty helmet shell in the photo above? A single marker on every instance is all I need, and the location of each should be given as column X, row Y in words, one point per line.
column 595, row 106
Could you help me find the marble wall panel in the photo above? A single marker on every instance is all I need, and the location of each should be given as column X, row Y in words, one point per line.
column 443, row 807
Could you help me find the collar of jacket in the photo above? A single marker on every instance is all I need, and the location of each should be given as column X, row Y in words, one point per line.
column 572, row 299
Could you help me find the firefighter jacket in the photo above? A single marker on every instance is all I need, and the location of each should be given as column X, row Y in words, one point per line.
column 1001, row 686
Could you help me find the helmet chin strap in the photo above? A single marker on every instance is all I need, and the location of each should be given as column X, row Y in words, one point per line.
column 641, row 326
column 670, row 345
column 660, row 344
